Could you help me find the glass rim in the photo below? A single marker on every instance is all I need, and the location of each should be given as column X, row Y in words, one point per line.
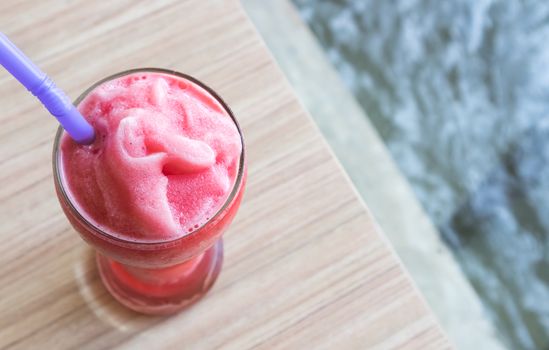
column 93, row 227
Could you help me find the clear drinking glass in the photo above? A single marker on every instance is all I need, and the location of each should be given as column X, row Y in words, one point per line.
column 155, row 277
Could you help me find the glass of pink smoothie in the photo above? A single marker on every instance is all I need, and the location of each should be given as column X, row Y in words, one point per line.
column 157, row 188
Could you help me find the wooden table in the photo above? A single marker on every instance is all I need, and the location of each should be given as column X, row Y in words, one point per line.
column 306, row 266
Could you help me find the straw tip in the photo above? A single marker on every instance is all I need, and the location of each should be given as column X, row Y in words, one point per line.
column 77, row 126
column 85, row 140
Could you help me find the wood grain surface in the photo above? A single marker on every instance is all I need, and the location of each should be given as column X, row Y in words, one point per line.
column 305, row 265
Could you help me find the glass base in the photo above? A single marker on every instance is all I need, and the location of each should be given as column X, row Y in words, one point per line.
column 162, row 291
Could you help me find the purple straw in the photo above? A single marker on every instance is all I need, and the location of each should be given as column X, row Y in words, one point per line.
column 41, row 86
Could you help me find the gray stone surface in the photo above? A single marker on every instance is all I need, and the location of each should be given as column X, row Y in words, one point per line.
column 372, row 170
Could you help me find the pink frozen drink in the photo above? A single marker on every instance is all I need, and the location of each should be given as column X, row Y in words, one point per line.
column 157, row 187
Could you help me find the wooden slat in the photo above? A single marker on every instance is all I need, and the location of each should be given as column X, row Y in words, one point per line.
column 305, row 266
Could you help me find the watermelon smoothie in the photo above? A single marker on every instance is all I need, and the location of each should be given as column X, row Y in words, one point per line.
column 156, row 189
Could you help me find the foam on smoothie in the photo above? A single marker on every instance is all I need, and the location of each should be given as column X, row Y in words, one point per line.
column 164, row 161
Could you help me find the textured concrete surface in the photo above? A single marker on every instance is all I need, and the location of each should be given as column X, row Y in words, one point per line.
column 376, row 177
